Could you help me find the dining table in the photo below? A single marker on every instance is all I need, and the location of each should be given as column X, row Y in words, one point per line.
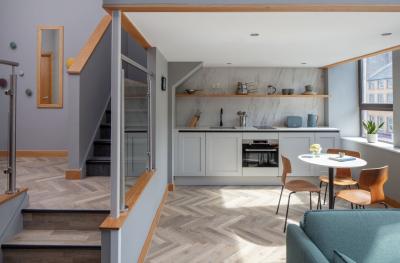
column 331, row 162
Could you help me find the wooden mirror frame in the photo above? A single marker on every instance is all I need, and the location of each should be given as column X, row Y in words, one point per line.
column 59, row 103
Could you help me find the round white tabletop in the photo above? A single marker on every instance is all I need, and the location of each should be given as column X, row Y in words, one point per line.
column 324, row 160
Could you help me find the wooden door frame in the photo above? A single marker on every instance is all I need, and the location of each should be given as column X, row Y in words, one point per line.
column 59, row 104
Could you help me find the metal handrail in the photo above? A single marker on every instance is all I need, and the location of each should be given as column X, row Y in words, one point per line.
column 12, row 92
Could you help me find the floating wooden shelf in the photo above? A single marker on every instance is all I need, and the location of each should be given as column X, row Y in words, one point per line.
column 252, row 95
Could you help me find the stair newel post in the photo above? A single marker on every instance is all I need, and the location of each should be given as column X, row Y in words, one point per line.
column 123, row 154
column 116, row 114
column 149, row 124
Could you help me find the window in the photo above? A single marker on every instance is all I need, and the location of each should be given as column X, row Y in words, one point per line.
column 380, row 98
column 371, row 98
column 390, row 84
column 376, row 91
column 389, row 98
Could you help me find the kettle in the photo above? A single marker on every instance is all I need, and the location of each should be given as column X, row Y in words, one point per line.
column 242, row 118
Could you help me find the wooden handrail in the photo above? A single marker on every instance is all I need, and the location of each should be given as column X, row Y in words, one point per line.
column 131, row 198
column 129, row 27
column 91, row 43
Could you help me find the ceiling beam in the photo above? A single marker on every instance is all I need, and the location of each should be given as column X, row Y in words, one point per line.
column 362, row 57
column 254, row 7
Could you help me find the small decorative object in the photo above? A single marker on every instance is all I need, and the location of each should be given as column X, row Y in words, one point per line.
column 191, row 91
column 271, row 90
column 194, row 120
column 342, row 154
column 315, row 149
column 312, row 120
column 28, row 92
column 21, row 73
column 163, row 83
column 69, row 62
column 13, row 45
column 294, row 121
column 372, row 130
column 285, row 91
column 309, row 90
column 290, row 91
column 3, row 83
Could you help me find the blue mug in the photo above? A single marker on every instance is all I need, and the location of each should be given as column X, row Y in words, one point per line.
column 312, row 120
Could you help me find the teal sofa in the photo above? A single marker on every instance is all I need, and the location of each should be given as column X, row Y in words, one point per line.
column 363, row 236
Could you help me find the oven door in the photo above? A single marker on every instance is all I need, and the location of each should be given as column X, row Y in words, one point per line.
column 254, row 156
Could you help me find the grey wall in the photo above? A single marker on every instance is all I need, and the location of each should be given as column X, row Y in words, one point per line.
column 267, row 111
column 11, row 218
column 136, row 227
column 343, row 108
column 378, row 157
column 249, row 1
column 89, row 96
column 177, row 73
column 42, row 128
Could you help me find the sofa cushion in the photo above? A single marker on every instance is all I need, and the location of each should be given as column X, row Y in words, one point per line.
column 341, row 258
column 366, row 236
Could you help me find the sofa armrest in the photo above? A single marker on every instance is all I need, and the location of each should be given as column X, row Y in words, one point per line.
column 300, row 249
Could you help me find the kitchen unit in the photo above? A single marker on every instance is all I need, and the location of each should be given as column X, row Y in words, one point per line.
column 205, row 152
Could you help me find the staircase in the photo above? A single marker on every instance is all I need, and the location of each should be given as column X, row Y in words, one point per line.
column 59, row 236
column 99, row 161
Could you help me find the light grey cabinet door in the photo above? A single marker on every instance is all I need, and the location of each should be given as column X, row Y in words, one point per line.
column 191, row 154
column 326, row 140
column 223, row 154
column 291, row 145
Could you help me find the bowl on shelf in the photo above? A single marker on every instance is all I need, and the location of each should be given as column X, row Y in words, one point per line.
column 191, row 91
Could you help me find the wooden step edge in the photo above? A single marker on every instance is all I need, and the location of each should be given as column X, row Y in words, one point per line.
column 50, row 246
column 69, row 211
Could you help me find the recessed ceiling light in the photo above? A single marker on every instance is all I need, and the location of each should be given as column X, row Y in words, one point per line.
column 386, row 34
column 229, row 63
column 303, row 63
column 254, row 34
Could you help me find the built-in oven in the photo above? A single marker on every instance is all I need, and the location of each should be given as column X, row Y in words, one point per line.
column 260, row 157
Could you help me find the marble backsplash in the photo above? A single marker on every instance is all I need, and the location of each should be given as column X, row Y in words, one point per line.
column 261, row 111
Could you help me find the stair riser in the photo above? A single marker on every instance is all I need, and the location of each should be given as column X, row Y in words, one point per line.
column 98, row 169
column 102, row 149
column 63, row 221
column 55, row 255
column 105, row 132
column 108, row 117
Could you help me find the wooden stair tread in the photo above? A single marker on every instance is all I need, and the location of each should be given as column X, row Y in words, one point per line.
column 55, row 239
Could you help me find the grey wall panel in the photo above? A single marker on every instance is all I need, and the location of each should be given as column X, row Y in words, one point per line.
column 343, row 109
column 204, row 2
column 42, row 128
column 11, row 218
column 94, row 93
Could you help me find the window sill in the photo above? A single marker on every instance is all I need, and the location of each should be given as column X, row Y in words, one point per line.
column 379, row 145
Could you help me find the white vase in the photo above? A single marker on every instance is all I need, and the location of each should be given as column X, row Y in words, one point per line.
column 372, row 138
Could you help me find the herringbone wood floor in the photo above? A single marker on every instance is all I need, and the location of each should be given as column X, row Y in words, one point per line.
column 48, row 188
column 224, row 224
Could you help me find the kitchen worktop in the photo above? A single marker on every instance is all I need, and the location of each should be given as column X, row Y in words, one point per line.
column 252, row 129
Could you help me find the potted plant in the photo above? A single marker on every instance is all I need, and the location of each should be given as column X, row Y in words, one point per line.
column 372, row 130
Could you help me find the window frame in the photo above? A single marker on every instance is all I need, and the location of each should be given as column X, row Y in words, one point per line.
column 368, row 106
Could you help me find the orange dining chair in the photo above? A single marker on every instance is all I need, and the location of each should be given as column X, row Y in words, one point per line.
column 295, row 186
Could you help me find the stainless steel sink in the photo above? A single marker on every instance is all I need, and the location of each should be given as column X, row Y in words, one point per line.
column 222, row 127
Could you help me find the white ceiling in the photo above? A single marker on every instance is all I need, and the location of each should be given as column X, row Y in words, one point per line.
column 286, row 39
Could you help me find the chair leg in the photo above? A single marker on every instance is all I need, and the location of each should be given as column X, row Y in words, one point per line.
column 310, row 202
column 326, row 190
column 386, row 206
column 319, row 206
column 334, row 201
column 287, row 212
column 280, row 197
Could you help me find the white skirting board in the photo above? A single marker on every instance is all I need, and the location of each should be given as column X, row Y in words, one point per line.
column 237, row 180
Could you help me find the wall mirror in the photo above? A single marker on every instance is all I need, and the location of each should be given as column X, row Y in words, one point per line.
column 50, row 53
